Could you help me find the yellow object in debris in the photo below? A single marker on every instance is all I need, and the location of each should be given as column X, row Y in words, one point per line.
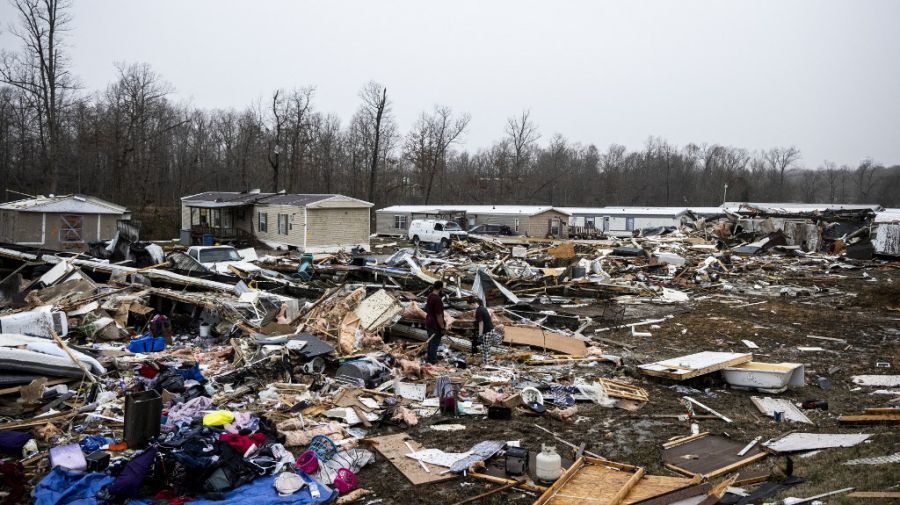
column 218, row 418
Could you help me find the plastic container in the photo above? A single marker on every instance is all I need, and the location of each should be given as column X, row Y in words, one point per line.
column 308, row 462
column 142, row 416
column 345, row 480
column 204, row 330
column 548, row 464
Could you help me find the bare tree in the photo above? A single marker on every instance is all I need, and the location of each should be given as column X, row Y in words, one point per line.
column 375, row 104
column 41, row 71
column 522, row 134
column 778, row 160
column 428, row 142
column 275, row 142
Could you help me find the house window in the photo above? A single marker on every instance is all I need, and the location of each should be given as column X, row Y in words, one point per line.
column 589, row 222
column 399, row 222
column 629, row 224
column 516, row 223
column 282, row 224
column 70, row 228
column 263, row 222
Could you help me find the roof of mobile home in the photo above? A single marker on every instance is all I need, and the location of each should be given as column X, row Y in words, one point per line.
column 626, row 211
column 219, row 199
column 75, row 204
column 512, row 210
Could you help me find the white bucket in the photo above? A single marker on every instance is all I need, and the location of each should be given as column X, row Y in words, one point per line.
column 204, row 330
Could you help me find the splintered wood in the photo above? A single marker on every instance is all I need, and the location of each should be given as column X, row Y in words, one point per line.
column 618, row 389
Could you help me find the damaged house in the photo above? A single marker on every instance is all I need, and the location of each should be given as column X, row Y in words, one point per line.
column 311, row 223
column 811, row 227
column 624, row 221
column 60, row 222
column 528, row 220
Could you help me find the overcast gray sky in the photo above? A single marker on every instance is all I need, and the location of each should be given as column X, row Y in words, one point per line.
column 822, row 75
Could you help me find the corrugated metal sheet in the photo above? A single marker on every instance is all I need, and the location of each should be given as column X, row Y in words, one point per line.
column 887, row 239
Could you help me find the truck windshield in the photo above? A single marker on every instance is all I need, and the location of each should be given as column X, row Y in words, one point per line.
column 219, row 254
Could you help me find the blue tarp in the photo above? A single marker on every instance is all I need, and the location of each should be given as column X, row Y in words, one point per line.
column 262, row 491
column 71, row 488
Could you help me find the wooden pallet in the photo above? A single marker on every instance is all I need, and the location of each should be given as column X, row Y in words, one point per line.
column 618, row 389
column 592, row 481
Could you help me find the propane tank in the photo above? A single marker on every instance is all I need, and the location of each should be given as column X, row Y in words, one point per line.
column 548, row 464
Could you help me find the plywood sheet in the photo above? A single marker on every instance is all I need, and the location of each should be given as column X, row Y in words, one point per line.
column 769, row 406
column 794, row 442
column 537, row 337
column 393, row 448
column 709, row 455
column 693, row 365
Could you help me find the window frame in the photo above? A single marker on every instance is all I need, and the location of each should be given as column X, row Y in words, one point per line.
column 262, row 222
column 400, row 222
column 67, row 226
column 286, row 220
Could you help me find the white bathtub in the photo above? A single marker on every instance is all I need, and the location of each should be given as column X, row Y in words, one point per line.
column 765, row 377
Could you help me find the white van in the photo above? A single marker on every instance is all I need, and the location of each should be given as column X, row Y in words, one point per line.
column 435, row 230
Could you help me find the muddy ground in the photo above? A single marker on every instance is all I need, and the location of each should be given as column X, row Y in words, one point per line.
column 859, row 306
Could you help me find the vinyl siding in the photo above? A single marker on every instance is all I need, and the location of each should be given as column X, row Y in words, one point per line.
column 337, row 227
column 384, row 223
column 25, row 228
column 295, row 214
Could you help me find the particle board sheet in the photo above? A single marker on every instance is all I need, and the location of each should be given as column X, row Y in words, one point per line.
column 708, row 455
column 393, row 448
column 694, row 365
column 769, row 406
column 794, row 442
column 594, row 482
column 377, row 310
column 537, row 337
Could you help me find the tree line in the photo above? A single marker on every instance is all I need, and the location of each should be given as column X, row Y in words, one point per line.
column 134, row 144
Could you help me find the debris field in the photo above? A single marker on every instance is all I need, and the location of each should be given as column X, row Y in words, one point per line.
column 694, row 365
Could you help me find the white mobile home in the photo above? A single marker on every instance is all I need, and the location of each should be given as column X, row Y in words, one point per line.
column 624, row 221
column 528, row 220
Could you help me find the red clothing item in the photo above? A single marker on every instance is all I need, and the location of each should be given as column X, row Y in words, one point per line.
column 241, row 443
column 434, row 308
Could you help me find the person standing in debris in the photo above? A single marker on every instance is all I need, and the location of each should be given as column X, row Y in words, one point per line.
column 485, row 332
column 435, row 323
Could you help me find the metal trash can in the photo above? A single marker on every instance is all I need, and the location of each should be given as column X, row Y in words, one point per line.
column 142, row 416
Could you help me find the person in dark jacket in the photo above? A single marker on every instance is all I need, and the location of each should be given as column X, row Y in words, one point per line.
column 486, row 334
column 434, row 321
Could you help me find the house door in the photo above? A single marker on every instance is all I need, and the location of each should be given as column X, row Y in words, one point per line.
column 606, row 224
column 554, row 227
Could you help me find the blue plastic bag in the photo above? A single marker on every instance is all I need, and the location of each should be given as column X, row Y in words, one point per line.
column 147, row 343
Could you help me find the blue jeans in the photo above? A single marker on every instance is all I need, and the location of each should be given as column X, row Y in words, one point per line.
column 434, row 341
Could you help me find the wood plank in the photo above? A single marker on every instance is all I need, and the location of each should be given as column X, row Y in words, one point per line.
column 537, row 337
column 874, row 494
column 870, row 419
column 393, row 448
